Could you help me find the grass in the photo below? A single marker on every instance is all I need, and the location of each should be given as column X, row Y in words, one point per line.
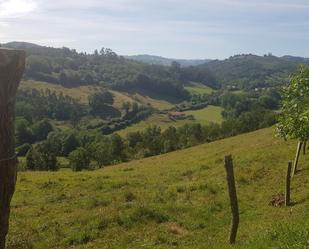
column 159, row 104
column 209, row 114
column 203, row 116
column 83, row 92
column 156, row 119
column 177, row 200
column 238, row 92
column 80, row 93
column 198, row 88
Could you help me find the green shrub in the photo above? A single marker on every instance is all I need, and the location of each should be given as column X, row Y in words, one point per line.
column 79, row 159
column 42, row 157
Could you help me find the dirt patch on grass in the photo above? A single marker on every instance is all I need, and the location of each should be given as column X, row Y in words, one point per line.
column 277, row 200
column 176, row 229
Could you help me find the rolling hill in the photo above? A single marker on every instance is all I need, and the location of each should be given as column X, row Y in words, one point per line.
column 159, row 60
column 82, row 94
column 177, row 200
column 250, row 71
column 153, row 75
column 69, row 68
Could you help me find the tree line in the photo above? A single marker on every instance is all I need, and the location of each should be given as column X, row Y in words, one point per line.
column 91, row 149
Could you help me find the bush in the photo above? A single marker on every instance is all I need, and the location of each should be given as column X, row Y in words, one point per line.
column 23, row 149
column 41, row 157
column 79, row 159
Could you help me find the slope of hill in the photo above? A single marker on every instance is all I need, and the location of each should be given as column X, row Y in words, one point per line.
column 209, row 114
column 198, row 88
column 70, row 68
column 176, row 200
column 21, row 45
column 82, row 93
column 296, row 59
column 159, row 60
column 251, row 71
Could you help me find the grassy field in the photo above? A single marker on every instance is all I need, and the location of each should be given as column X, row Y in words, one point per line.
column 83, row 92
column 156, row 103
column 203, row 116
column 177, row 200
column 80, row 93
column 198, row 88
column 209, row 114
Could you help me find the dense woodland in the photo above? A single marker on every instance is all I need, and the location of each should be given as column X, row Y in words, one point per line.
column 91, row 145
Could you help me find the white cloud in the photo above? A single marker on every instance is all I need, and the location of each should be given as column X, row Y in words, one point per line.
column 16, row 8
column 4, row 24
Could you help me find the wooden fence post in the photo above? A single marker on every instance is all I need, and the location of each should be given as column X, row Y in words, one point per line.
column 288, row 185
column 228, row 163
column 299, row 145
column 12, row 64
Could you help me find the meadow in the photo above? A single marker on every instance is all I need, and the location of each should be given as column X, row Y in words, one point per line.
column 82, row 94
column 175, row 200
column 198, row 88
column 209, row 114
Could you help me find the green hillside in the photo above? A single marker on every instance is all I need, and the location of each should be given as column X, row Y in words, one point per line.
column 176, row 200
column 69, row 68
column 82, row 94
column 198, row 88
column 159, row 60
column 209, row 114
column 249, row 71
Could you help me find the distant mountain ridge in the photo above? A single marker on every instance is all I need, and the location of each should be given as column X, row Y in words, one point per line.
column 20, row 45
column 154, row 74
column 159, row 60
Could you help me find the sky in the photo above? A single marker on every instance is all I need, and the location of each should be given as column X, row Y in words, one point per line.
column 189, row 29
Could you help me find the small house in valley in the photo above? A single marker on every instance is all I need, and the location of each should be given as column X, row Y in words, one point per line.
column 177, row 115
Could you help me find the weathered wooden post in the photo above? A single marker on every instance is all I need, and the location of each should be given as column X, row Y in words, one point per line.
column 304, row 147
column 300, row 143
column 288, row 185
column 12, row 64
column 228, row 163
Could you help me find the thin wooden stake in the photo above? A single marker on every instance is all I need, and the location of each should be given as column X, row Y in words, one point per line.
column 304, row 147
column 228, row 163
column 299, row 145
column 288, row 185
column 12, row 64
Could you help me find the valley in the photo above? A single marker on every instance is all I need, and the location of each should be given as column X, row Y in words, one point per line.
column 135, row 149
column 131, row 124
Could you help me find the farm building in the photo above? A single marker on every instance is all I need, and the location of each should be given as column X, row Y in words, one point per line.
column 177, row 115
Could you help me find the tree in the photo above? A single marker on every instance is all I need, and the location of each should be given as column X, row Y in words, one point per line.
column 23, row 133
column 126, row 106
column 79, row 159
column 117, row 145
column 170, row 139
column 175, row 69
column 134, row 107
column 99, row 102
column 31, row 159
column 42, row 157
column 102, row 152
column 294, row 119
column 69, row 143
column 41, row 129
